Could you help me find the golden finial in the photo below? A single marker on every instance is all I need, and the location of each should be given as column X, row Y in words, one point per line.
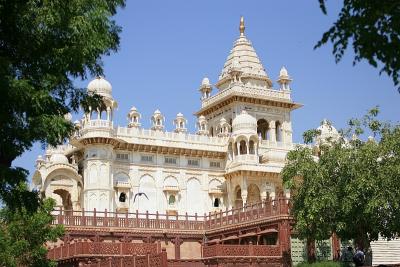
column 241, row 27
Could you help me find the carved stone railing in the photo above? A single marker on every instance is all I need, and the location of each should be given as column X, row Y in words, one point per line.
column 96, row 249
column 210, row 221
column 159, row 260
column 220, row 250
column 261, row 93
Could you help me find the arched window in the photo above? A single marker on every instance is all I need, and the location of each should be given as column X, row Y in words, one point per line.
column 243, row 147
column 216, row 202
column 278, row 131
column 122, row 197
column 238, row 199
column 262, row 129
column 212, row 131
column 251, row 147
column 158, row 122
column 171, row 200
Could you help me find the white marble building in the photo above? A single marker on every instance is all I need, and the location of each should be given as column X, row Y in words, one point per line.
column 244, row 131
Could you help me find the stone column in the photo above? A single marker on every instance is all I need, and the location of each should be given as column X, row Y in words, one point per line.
column 109, row 114
column 177, row 242
column 284, row 241
column 272, row 134
column 244, row 190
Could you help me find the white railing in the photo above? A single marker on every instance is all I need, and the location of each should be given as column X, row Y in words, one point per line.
column 170, row 136
column 248, row 158
column 261, row 93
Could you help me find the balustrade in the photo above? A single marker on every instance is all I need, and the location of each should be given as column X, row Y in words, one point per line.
column 195, row 222
column 85, row 248
column 221, row 250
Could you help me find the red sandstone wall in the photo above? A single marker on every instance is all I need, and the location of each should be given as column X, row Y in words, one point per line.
column 191, row 250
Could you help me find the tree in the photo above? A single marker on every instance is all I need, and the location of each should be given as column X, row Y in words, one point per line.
column 372, row 28
column 347, row 186
column 23, row 235
column 44, row 46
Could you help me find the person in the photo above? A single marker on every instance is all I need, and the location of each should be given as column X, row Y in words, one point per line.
column 359, row 257
column 347, row 256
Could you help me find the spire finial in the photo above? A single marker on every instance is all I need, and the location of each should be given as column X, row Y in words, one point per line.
column 241, row 27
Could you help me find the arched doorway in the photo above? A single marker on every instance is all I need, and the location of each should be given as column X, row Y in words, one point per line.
column 238, row 198
column 65, row 198
column 253, row 194
column 278, row 131
column 262, row 129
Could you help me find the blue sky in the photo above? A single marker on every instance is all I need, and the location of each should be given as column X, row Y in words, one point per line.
column 167, row 47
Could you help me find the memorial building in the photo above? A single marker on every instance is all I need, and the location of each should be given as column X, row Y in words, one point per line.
column 130, row 196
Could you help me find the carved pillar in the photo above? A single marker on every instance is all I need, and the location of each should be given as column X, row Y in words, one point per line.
column 272, row 133
column 177, row 242
column 244, row 190
column 284, row 241
column 109, row 114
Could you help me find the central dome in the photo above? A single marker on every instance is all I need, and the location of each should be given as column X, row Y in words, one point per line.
column 244, row 123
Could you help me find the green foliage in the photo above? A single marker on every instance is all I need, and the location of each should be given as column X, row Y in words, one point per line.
column 372, row 28
column 44, row 46
column 350, row 186
column 24, row 233
column 320, row 264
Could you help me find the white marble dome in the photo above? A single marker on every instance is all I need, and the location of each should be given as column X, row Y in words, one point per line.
column 328, row 132
column 244, row 123
column 59, row 157
column 100, row 86
column 205, row 82
column 283, row 72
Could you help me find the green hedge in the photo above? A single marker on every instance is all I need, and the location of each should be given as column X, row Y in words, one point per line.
column 320, row 264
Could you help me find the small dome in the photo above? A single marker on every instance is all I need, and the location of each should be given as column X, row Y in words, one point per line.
column 283, row 72
column 328, row 132
column 133, row 108
column 222, row 120
column 59, row 157
column 100, row 86
column 157, row 112
column 68, row 116
column 244, row 122
column 205, row 82
column 179, row 115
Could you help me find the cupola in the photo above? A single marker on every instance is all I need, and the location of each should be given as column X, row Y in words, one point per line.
column 223, row 128
column 157, row 121
column 284, row 79
column 202, row 128
column 134, row 118
column 180, row 123
column 100, row 86
column 205, row 88
column 244, row 123
column 328, row 133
